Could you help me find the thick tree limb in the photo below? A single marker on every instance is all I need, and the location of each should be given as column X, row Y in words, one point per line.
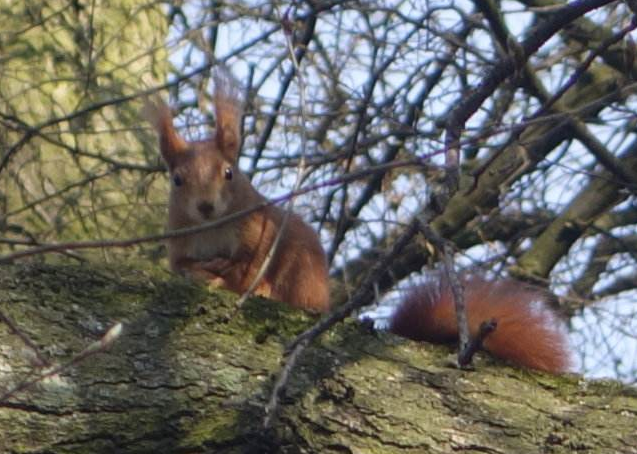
column 601, row 193
column 183, row 378
column 590, row 35
column 596, row 264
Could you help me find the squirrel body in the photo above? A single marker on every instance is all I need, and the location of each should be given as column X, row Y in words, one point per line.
column 208, row 185
column 527, row 333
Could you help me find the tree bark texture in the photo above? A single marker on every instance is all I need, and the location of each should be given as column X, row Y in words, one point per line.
column 191, row 374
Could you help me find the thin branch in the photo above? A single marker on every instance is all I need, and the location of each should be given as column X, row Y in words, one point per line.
column 310, row 23
column 92, row 349
column 363, row 295
column 349, row 216
column 446, row 249
column 42, row 361
column 300, row 172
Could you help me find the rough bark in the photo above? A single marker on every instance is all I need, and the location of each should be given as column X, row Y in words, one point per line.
column 188, row 375
column 592, row 202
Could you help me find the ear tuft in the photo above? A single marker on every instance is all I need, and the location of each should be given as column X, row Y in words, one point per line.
column 171, row 143
column 228, row 111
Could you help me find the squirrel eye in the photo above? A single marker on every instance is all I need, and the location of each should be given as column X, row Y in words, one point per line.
column 178, row 180
column 228, row 173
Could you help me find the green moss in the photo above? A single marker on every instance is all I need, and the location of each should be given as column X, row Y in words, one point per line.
column 221, row 427
column 186, row 376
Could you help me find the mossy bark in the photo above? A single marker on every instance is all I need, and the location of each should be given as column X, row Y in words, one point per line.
column 189, row 374
column 74, row 153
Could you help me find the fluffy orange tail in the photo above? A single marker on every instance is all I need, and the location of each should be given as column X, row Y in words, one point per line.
column 527, row 333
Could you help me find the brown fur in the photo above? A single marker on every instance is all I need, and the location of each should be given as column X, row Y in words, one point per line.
column 527, row 332
column 231, row 255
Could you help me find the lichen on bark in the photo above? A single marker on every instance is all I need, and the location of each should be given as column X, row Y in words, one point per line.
column 190, row 373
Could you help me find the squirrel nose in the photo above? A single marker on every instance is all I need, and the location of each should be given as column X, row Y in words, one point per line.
column 205, row 208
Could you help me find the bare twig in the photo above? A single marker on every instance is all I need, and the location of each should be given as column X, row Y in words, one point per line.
column 347, row 216
column 581, row 69
column 446, row 249
column 300, row 173
column 362, row 296
column 457, row 290
column 42, row 361
column 96, row 347
column 475, row 343
column 309, row 23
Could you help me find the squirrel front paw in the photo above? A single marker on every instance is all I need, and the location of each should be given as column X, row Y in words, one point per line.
column 208, row 272
column 219, row 266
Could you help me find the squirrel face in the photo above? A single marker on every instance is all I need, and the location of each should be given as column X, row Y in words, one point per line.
column 202, row 182
column 203, row 173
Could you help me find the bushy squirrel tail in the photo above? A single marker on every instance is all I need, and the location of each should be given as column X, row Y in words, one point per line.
column 528, row 333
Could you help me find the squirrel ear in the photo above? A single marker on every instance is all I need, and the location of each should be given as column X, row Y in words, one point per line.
column 228, row 112
column 171, row 144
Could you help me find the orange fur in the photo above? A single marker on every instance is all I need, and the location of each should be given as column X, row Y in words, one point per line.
column 527, row 332
column 208, row 185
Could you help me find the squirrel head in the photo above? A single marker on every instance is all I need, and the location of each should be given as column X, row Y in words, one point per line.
column 203, row 173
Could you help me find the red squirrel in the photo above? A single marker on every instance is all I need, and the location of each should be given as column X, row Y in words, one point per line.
column 206, row 184
column 527, row 332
